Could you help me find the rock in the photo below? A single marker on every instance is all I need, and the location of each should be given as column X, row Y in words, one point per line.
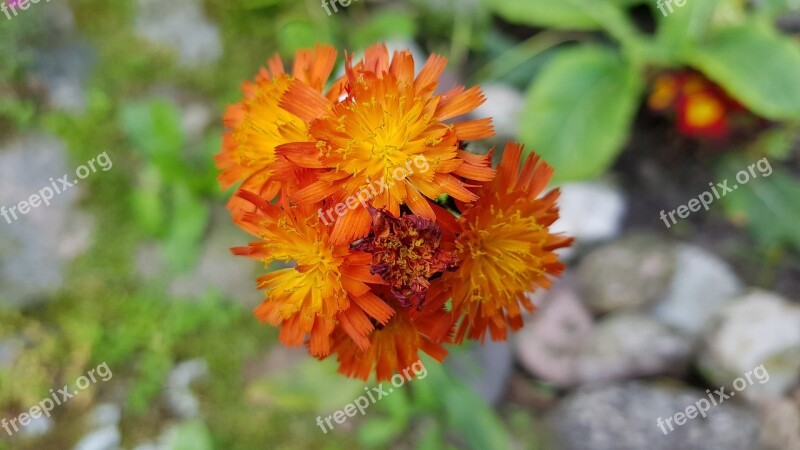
column 548, row 346
column 104, row 420
column 780, row 424
column 38, row 427
column 195, row 118
column 591, row 212
column 563, row 346
column 179, row 396
column 701, row 286
column 759, row 328
column 504, row 105
column 63, row 71
column 627, row 274
column 182, row 27
column 35, row 248
column 9, row 350
column 625, row 417
column 631, row 345
column 106, row 414
column 495, row 363
column 107, row 438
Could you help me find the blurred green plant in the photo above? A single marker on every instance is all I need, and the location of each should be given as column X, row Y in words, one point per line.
column 579, row 111
column 461, row 417
column 170, row 199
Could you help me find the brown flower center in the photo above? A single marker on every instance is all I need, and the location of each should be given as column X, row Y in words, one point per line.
column 407, row 254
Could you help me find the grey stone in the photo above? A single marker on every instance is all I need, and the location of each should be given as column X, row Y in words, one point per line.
column 759, row 328
column 631, row 345
column 552, row 339
column 182, row 27
column 504, row 105
column 9, row 350
column 63, row 71
column 702, row 284
column 179, row 396
column 106, row 414
column 38, row 426
column 625, row 417
column 485, row 368
column 107, row 438
column 35, row 248
column 626, row 275
column 590, row 212
column 780, row 424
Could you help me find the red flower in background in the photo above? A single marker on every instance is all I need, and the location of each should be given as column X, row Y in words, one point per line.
column 702, row 108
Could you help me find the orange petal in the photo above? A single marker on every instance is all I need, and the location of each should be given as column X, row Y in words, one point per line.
column 304, row 102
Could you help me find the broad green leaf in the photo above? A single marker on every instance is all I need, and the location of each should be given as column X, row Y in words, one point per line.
column 190, row 218
column 382, row 26
column 578, row 112
column 296, row 34
column 467, row 414
column 379, row 432
column 756, row 65
column 683, row 26
column 148, row 206
column 154, row 129
column 193, row 435
column 766, row 205
column 543, row 13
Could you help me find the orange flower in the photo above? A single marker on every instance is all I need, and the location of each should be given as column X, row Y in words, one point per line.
column 328, row 286
column 385, row 121
column 257, row 125
column 396, row 345
column 506, row 248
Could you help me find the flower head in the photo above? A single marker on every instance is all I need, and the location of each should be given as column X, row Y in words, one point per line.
column 257, row 125
column 328, row 284
column 505, row 249
column 384, row 120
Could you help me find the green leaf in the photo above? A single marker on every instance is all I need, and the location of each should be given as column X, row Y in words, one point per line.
column 467, row 414
column 383, row 26
column 379, row 433
column 147, row 204
column 543, row 13
column 296, row 33
column 190, row 218
column 684, row 26
column 192, row 435
column 154, row 129
column 766, row 205
column 756, row 65
column 578, row 113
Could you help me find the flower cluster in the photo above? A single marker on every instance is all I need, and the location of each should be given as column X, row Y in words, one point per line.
column 435, row 256
column 702, row 108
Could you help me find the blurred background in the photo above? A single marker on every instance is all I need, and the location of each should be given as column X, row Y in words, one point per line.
column 640, row 106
